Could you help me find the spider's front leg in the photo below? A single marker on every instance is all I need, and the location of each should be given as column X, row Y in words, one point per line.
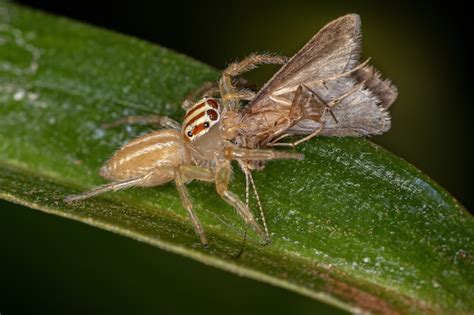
column 221, row 178
column 235, row 69
column 223, row 173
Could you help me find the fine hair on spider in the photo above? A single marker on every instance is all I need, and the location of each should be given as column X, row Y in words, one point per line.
column 322, row 90
column 201, row 148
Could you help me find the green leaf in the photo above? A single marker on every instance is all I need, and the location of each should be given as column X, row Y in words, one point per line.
column 352, row 225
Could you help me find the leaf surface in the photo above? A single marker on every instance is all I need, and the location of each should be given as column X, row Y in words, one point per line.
column 352, row 224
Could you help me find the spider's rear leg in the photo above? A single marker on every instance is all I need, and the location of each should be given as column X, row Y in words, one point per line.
column 113, row 186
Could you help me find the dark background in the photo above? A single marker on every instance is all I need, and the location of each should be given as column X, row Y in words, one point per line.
column 51, row 265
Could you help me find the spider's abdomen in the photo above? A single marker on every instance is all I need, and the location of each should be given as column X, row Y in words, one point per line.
column 159, row 152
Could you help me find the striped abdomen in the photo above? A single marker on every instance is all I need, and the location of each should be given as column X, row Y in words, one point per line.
column 159, row 152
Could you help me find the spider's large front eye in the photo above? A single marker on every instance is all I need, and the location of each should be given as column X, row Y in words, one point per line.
column 190, row 134
column 213, row 103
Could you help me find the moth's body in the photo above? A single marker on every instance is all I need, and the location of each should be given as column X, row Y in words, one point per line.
column 309, row 110
column 322, row 90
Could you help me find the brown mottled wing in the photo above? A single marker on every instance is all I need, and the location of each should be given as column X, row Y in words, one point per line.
column 332, row 51
column 357, row 115
column 327, row 65
column 363, row 112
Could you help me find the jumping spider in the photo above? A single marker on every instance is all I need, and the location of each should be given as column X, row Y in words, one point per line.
column 202, row 148
column 321, row 90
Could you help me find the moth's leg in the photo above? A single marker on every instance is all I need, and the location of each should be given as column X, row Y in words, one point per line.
column 161, row 121
column 317, row 131
column 318, row 101
column 114, row 186
column 296, row 113
column 249, row 179
column 315, row 102
column 223, row 174
column 208, row 89
column 186, row 201
column 299, row 141
column 226, row 85
column 337, row 100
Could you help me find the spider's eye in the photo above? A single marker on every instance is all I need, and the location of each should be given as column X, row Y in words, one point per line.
column 206, row 124
column 190, row 134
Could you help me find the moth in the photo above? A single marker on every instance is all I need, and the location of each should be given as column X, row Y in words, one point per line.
column 322, row 90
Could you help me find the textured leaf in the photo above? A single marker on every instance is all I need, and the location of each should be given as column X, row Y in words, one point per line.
column 352, row 225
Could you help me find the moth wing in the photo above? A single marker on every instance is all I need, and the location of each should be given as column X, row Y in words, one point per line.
column 384, row 89
column 327, row 66
column 334, row 50
column 363, row 112
column 358, row 114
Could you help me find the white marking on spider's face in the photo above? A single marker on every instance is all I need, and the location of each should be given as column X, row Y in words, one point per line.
column 200, row 118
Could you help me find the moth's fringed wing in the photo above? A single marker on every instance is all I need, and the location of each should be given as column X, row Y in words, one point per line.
column 383, row 89
column 329, row 68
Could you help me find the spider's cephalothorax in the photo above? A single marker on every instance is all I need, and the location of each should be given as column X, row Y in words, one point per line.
column 200, row 118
